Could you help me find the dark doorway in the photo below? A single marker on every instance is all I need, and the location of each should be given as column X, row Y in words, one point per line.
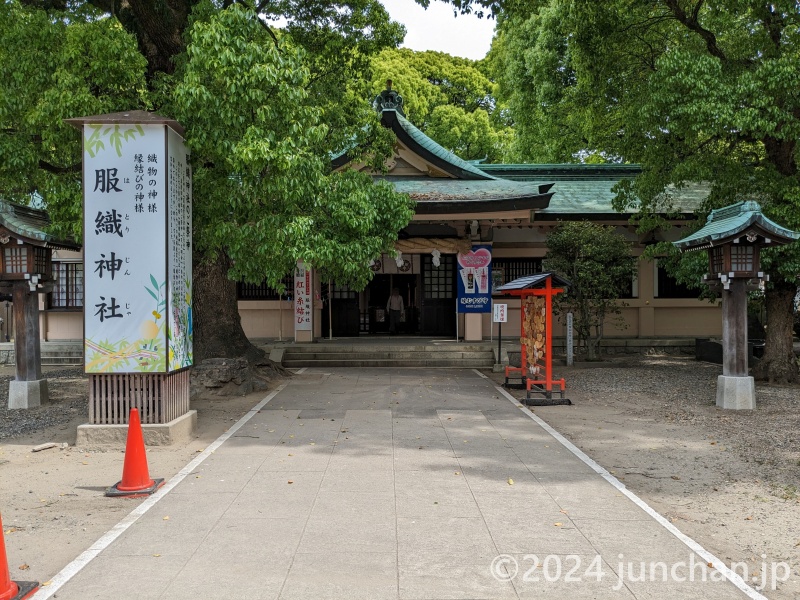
column 438, row 303
column 378, row 292
column 344, row 309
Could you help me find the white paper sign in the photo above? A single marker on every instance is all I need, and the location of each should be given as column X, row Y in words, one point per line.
column 128, row 318
column 570, row 340
column 500, row 313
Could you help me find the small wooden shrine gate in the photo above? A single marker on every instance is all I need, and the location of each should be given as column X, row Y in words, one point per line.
column 536, row 337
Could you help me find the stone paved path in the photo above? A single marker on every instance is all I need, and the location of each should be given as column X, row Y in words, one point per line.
column 392, row 484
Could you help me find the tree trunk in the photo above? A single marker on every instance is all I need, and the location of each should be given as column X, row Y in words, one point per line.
column 779, row 364
column 226, row 363
column 218, row 329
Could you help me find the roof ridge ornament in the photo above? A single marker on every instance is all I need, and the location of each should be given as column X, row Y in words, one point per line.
column 734, row 210
column 389, row 99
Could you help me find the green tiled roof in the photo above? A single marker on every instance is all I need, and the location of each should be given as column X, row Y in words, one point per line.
column 440, row 189
column 724, row 224
column 587, row 198
column 468, row 170
column 586, row 190
column 563, row 172
column 30, row 224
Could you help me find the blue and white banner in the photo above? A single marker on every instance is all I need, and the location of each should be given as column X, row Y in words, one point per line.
column 475, row 280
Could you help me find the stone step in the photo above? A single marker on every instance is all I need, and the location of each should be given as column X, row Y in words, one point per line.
column 464, row 363
column 53, row 361
column 398, row 355
column 382, row 348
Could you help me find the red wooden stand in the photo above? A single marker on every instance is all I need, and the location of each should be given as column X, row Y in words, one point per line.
column 530, row 372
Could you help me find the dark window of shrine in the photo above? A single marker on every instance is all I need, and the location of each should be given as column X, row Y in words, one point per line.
column 514, row 268
column 261, row 291
column 438, row 281
column 629, row 291
column 667, row 287
column 67, row 285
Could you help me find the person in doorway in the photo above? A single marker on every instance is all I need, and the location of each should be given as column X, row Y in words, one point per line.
column 395, row 308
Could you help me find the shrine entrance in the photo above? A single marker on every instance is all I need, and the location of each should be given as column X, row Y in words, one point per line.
column 377, row 295
column 429, row 300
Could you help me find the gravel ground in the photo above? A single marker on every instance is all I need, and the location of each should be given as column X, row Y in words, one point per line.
column 67, row 389
column 683, row 391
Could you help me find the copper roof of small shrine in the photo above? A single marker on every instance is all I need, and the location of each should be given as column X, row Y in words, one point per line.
column 29, row 224
column 530, row 282
column 732, row 222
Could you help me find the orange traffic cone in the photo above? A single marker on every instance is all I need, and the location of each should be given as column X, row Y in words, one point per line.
column 136, row 480
column 12, row 590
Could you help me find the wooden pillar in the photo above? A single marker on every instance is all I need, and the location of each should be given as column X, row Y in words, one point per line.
column 27, row 346
column 734, row 329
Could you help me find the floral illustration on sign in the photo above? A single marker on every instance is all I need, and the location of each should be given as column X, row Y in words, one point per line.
column 145, row 355
column 181, row 332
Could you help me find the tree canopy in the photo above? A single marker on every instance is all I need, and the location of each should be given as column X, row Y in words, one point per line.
column 264, row 109
column 694, row 91
column 449, row 98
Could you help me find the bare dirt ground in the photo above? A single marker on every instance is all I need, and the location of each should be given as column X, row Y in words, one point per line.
column 52, row 502
column 728, row 479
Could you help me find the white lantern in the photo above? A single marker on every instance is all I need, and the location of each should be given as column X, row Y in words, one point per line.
column 436, row 257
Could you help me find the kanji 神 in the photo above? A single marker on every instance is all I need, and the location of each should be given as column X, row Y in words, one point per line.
column 111, row 265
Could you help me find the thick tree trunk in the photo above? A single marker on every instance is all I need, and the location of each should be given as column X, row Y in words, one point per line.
column 218, row 329
column 779, row 364
column 226, row 363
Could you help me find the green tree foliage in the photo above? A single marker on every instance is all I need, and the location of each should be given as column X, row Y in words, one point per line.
column 449, row 98
column 54, row 67
column 269, row 196
column 264, row 110
column 695, row 91
column 597, row 262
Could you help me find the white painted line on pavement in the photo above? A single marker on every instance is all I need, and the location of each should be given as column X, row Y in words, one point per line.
column 720, row 566
column 105, row 541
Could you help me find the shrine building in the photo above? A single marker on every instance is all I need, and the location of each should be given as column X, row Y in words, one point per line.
column 508, row 209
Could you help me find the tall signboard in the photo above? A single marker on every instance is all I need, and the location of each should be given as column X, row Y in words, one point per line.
column 475, row 280
column 137, row 249
column 303, row 305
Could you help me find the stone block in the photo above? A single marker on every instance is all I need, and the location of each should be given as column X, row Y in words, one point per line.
column 165, row 434
column 276, row 355
column 27, row 394
column 736, row 393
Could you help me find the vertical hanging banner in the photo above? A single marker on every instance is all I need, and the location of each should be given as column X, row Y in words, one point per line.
column 137, row 248
column 474, row 280
column 302, row 298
